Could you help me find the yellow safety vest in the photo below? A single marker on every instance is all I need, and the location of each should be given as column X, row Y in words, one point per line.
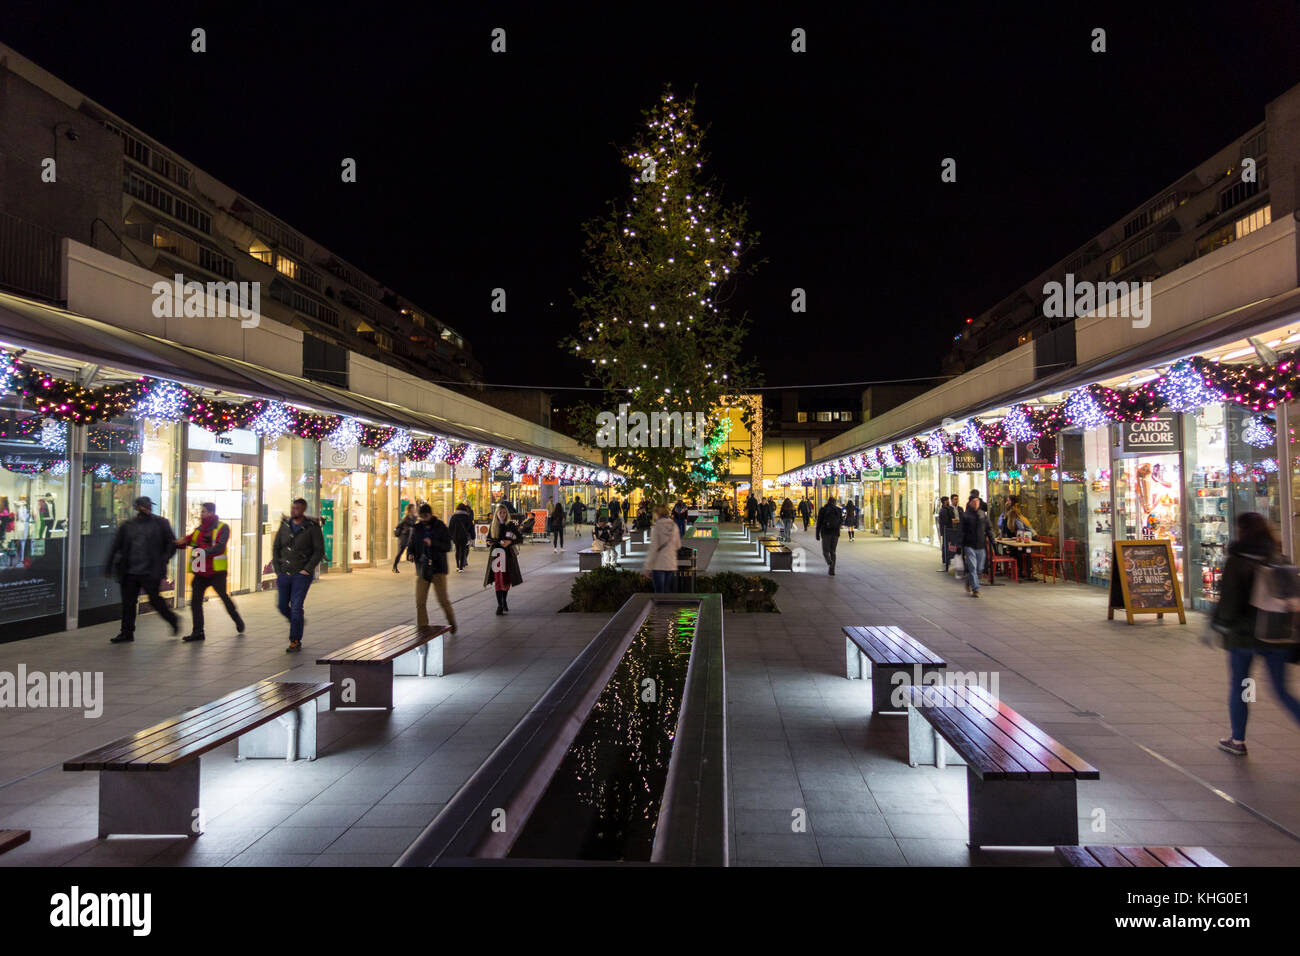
column 219, row 562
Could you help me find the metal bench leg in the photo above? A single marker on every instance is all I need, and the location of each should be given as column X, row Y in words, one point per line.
column 150, row 802
column 1022, row 812
column 856, row 668
column 361, row 685
column 415, row 662
column 290, row 736
column 885, row 682
column 925, row 746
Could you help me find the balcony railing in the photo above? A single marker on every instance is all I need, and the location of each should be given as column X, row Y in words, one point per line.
column 29, row 259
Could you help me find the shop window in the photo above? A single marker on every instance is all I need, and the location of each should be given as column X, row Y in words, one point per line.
column 33, row 524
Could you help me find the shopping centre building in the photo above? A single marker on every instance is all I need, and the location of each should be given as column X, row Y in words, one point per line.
column 111, row 389
column 1157, row 410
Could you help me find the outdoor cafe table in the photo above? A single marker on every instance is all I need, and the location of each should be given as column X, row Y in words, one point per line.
column 1025, row 545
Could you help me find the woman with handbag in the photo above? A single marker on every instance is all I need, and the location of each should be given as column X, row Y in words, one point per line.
column 503, row 561
column 1245, row 628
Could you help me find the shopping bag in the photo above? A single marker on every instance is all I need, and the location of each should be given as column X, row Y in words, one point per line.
column 957, row 565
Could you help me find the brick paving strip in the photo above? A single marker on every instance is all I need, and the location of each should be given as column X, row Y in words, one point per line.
column 801, row 735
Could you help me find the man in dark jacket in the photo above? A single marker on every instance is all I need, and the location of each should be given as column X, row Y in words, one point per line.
column 805, row 511
column 298, row 547
column 430, row 542
column 975, row 533
column 579, row 513
column 461, row 527
column 946, row 520
column 141, row 550
column 829, row 521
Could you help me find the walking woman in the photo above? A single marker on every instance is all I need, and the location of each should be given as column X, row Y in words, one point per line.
column 557, row 527
column 1245, row 634
column 403, row 534
column 503, row 562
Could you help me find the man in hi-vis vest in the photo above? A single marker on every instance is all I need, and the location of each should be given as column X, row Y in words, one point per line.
column 207, row 557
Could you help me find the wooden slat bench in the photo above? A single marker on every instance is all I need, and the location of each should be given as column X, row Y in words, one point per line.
column 1121, row 856
column 362, row 673
column 12, row 838
column 589, row 560
column 889, row 658
column 762, row 544
column 779, row 558
column 1021, row 785
column 149, row 781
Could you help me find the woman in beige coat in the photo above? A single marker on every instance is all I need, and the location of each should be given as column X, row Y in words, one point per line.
column 661, row 557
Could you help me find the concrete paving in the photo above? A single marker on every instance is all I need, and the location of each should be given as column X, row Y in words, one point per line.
column 1145, row 704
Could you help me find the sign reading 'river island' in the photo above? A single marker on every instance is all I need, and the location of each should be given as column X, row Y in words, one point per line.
column 1143, row 580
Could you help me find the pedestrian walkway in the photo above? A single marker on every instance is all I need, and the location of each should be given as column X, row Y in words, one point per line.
column 379, row 777
column 1145, row 704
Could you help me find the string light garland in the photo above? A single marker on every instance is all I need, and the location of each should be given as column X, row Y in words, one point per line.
column 1188, row 385
column 1258, row 433
column 53, row 403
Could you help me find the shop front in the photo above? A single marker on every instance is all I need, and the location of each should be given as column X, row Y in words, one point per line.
column 225, row 469
column 290, row 469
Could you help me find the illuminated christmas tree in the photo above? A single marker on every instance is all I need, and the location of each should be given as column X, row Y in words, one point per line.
column 654, row 330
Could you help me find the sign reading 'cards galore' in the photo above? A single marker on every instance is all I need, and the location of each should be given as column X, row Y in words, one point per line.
column 1153, row 435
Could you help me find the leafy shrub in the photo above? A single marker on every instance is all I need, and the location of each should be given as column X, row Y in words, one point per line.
column 606, row 589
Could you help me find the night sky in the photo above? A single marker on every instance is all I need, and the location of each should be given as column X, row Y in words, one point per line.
column 476, row 170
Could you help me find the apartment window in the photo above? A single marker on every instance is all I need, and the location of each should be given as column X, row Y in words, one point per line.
column 1256, row 146
column 1136, row 224
column 309, row 278
column 824, row 416
column 286, row 266
column 801, row 416
column 846, row 416
column 147, row 192
column 216, row 262
column 261, row 252
column 173, row 243
column 193, row 216
column 1240, row 191
column 1211, row 241
column 134, row 148
column 1256, row 220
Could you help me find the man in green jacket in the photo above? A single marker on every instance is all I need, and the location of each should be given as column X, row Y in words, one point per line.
column 298, row 548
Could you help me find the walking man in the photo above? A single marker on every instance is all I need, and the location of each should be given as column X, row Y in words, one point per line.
column 430, row 542
column 805, row 511
column 974, row 533
column 298, row 547
column 138, row 560
column 208, row 544
column 829, row 521
column 461, row 527
column 579, row 512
